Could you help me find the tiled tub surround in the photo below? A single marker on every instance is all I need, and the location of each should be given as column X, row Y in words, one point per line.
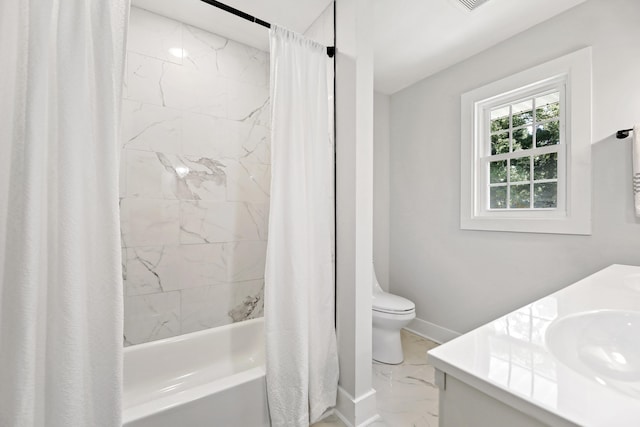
column 512, row 372
column 194, row 180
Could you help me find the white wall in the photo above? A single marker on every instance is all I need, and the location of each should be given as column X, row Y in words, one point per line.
column 321, row 30
column 381, row 104
column 461, row 279
column 354, row 209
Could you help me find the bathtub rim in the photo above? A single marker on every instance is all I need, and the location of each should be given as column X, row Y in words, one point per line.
column 131, row 414
column 196, row 334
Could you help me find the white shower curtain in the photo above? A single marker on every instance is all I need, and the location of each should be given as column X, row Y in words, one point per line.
column 302, row 360
column 60, row 266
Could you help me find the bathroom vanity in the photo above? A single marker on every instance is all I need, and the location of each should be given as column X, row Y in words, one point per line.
column 569, row 359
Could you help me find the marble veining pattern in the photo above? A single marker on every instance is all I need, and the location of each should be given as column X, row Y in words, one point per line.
column 202, row 265
column 150, row 127
column 211, row 306
column 195, row 179
column 150, row 269
column 154, row 35
column 151, row 317
column 149, row 222
column 406, row 394
column 211, row 53
column 248, row 181
column 214, row 222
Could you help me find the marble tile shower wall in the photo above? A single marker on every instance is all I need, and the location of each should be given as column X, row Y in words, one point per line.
column 195, row 179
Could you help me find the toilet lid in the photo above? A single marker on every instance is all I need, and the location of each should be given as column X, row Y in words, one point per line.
column 390, row 303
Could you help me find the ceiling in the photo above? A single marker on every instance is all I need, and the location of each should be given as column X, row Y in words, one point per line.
column 412, row 39
column 297, row 15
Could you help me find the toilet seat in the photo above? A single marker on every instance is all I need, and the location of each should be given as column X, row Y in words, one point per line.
column 384, row 302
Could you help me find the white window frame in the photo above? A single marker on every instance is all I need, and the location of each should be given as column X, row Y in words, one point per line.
column 571, row 76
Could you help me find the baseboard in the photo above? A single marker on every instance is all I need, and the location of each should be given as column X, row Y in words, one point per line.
column 356, row 412
column 363, row 424
column 431, row 331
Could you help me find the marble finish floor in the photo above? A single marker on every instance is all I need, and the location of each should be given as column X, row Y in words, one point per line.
column 406, row 394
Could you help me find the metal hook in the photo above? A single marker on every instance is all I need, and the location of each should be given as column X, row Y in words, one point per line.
column 624, row 133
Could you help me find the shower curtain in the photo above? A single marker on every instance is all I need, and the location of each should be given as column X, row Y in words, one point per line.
column 302, row 360
column 60, row 266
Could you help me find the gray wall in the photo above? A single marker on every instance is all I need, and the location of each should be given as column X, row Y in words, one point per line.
column 381, row 104
column 462, row 279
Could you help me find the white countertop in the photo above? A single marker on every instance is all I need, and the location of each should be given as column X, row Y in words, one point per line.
column 509, row 358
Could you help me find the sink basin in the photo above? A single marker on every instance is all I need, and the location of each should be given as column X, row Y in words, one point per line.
column 603, row 345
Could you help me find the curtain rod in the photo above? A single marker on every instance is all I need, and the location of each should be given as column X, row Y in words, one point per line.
column 331, row 50
column 622, row 134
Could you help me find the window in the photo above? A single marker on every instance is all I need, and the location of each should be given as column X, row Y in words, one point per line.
column 523, row 151
column 526, row 150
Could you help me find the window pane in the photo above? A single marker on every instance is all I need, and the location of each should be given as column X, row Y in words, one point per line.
column 498, row 197
column 523, row 139
column 520, row 169
column 498, row 171
column 548, row 134
column 548, row 106
column 500, row 119
column 545, row 195
column 520, row 196
column 522, row 113
column 500, row 143
column 545, row 166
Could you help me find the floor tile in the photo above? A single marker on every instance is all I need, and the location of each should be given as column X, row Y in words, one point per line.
column 406, row 393
column 330, row 421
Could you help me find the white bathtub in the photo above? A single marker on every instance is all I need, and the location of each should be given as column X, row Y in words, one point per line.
column 212, row 378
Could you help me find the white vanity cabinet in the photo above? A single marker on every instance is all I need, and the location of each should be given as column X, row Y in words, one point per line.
column 569, row 359
column 462, row 405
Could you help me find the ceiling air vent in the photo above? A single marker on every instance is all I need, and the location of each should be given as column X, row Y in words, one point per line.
column 472, row 4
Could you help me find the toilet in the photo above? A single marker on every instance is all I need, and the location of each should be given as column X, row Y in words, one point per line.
column 390, row 314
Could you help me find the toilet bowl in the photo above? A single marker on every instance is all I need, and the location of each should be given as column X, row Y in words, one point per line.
column 390, row 314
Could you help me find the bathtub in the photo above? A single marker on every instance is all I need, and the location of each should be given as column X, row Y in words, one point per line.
column 209, row 378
